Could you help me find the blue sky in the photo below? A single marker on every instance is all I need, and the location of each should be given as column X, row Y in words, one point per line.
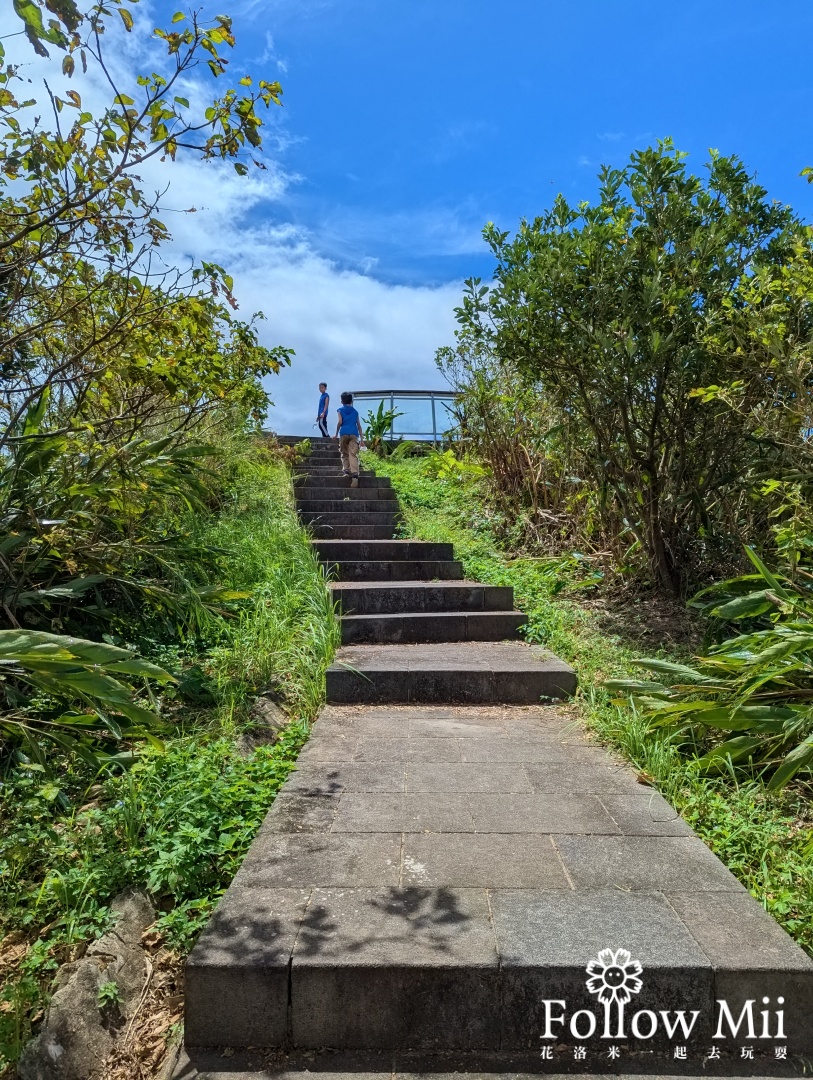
column 408, row 125
column 414, row 123
column 418, row 121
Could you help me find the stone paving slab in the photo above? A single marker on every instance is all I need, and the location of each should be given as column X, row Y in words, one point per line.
column 239, row 970
column 482, row 860
column 539, row 935
column 443, row 813
column 383, row 550
column 422, row 886
column 351, row 532
column 370, row 506
column 505, row 813
column 644, row 862
column 280, row 860
column 355, row 495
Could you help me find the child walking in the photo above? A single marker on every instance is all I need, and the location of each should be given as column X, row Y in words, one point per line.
column 348, row 431
column 324, row 405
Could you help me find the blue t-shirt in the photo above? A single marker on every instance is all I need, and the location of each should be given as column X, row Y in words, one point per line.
column 323, row 399
column 350, row 420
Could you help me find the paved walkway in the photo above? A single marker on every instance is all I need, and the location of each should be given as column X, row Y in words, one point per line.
column 429, row 877
column 444, row 888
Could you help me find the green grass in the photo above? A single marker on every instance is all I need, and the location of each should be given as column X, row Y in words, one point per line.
column 179, row 822
column 765, row 838
column 286, row 636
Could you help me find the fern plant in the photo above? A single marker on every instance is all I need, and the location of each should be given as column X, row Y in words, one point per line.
column 755, row 688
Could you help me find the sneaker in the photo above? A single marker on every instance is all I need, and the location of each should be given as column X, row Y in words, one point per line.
column 345, row 472
column 354, row 482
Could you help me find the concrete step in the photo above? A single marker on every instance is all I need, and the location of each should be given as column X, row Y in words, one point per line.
column 330, row 470
column 347, row 506
column 409, row 628
column 294, row 440
column 343, row 1065
column 443, row 882
column 351, row 532
column 337, row 492
column 386, row 598
column 473, row 672
column 350, row 518
column 383, row 551
column 401, row 570
column 367, row 480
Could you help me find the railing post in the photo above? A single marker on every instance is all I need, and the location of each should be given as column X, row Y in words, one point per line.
column 434, row 422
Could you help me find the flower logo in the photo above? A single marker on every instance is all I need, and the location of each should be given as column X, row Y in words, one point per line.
column 614, row 976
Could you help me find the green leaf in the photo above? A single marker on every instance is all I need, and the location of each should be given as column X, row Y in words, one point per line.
column 755, row 603
column 737, row 749
column 800, row 757
column 679, row 672
column 178, row 17
column 766, row 573
column 126, row 18
column 31, row 15
column 77, row 719
column 632, row 686
column 737, row 719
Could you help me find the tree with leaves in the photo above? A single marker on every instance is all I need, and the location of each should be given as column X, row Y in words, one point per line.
column 624, row 312
column 116, row 369
column 81, row 284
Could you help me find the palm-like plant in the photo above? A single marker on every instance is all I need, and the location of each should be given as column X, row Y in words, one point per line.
column 81, row 533
column 756, row 687
column 379, row 428
column 78, row 695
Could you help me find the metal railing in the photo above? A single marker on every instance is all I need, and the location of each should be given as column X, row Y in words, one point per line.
column 426, row 414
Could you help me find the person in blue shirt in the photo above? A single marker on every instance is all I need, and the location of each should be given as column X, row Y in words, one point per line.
column 324, row 404
column 348, row 431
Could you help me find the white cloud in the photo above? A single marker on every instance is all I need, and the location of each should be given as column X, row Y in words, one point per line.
column 279, row 9
column 271, row 56
column 352, row 331
column 347, row 233
column 458, row 139
column 346, row 326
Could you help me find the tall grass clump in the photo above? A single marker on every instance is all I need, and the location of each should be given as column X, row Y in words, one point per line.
column 285, row 632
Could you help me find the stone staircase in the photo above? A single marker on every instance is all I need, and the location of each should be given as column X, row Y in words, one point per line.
column 457, row 879
column 407, row 592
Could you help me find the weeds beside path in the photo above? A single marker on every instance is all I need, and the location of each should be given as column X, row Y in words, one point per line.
column 180, row 820
column 763, row 837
